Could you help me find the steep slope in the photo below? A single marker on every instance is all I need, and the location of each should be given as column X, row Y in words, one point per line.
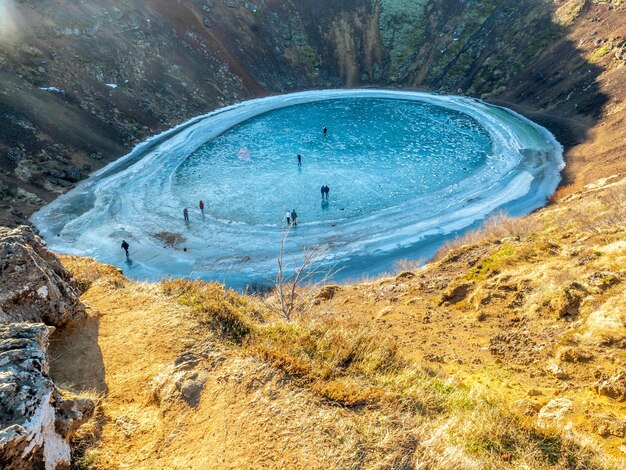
column 81, row 83
column 530, row 309
column 507, row 351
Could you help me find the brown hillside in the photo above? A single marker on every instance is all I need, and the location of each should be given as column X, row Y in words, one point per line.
column 559, row 62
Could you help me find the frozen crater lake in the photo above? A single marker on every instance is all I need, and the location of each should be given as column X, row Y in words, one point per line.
column 406, row 171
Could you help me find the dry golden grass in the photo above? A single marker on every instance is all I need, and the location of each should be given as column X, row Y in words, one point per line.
column 222, row 310
column 339, row 363
column 400, row 406
column 338, row 387
column 429, row 421
column 87, row 271
column 562, row 192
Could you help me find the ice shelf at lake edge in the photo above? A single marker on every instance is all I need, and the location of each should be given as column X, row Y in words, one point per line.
column 111, row 205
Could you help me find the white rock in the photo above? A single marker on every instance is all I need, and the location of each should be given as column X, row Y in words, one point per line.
column 52, row 89
column 43, row 292
column 554, row 413
column 35, row 421
column 557, row 372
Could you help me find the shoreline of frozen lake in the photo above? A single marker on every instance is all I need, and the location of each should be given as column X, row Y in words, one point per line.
column 232, row 159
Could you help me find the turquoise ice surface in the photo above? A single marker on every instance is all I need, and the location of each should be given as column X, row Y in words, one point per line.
column 406, row 171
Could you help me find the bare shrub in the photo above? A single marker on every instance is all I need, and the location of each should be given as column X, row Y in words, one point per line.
column 298, row 279
column 562, row 192
column 496, row 226
column 408, row 265
column 258, row 288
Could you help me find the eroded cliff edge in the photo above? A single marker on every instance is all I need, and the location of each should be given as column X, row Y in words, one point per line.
column 37, row 295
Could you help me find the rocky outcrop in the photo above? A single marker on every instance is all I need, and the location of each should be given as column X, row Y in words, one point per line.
column 35, row 291
column 613, row 387
column 555, row 413
column 34, row 286
column 185, row 379
column 455, row 294
column 327, row 292
column 608, row 424
column 35, row 421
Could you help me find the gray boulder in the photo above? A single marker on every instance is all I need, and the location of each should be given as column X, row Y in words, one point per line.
column 71, row 174
column 34, row 286
column 35, row 421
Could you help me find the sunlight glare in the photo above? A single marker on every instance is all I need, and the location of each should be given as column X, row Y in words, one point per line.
column 8, row 21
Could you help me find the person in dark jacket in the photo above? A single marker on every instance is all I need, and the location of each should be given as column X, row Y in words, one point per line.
column 125, row 246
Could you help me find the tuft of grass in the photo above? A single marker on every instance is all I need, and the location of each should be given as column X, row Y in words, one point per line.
column 568, row 12
column 82, row 459
column 336, row 361
column 348, row 367
column 224, row 311
column 323, row 348
column 492, row 264
column 87, row 271
column 348, row 392
column 599, row 53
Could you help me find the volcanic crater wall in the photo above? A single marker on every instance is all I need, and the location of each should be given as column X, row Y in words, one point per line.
column 81, row 82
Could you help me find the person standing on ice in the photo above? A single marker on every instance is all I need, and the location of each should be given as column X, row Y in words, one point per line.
column 125, row 246
column 288, row 218
column 323, row 191
column 201, row 205
column 186, row 214
column 325, row 130
column 294, row 217
column 299, row 160
column 326, row 190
